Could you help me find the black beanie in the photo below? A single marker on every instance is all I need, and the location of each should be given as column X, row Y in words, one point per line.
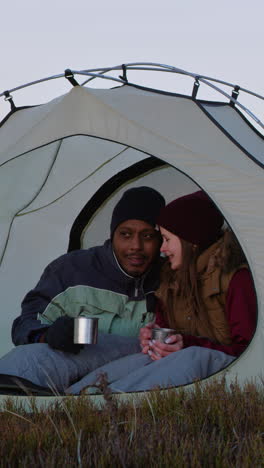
column 143, row 203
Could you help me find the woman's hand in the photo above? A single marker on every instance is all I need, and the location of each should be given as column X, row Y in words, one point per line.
column 145, row 336
column 158, row 350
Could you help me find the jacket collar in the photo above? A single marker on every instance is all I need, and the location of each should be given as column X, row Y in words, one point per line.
column 145, row 283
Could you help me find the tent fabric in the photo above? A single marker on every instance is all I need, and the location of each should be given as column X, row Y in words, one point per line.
column 238, row 129
column 55, row 157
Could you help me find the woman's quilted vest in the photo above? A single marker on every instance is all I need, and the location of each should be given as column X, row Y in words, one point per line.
column 213, row 289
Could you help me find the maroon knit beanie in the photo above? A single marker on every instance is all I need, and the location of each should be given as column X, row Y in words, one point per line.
column 193, row 218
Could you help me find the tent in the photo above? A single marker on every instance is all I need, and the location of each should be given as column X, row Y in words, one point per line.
column 64, row 164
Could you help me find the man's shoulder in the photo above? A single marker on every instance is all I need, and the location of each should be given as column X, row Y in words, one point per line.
column 77, row 257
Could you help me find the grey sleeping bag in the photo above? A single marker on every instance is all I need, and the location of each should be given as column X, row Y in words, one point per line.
column 127, row 369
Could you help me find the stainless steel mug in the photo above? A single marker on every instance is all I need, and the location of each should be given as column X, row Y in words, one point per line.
column 160, row 334
column 85, row 330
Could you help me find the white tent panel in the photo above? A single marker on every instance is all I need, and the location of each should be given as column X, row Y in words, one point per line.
column 78, row 157
column 238, row 128
column 156, row 124
column 25, row 175
column 20, row 124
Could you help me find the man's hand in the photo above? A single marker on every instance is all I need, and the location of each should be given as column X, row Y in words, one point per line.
column 159, row 350
column 145, row 336
column 60, row 335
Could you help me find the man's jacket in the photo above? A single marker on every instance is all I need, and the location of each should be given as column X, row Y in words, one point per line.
column 88, row 283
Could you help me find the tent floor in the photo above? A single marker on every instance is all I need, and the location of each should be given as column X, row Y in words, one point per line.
column 12, row 385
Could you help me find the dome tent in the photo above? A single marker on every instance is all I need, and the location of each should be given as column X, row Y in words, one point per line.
column 64, row 164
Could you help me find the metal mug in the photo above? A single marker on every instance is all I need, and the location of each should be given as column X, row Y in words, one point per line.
column 85, row 330
column 160, row 334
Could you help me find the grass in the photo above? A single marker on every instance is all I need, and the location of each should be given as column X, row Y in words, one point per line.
column 203, row 427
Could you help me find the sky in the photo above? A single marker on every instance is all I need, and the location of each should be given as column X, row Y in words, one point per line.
column 40, row 38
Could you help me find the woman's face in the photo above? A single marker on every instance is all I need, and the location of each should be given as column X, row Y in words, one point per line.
column 171, row 247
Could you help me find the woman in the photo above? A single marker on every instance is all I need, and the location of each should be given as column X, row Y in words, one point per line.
column 206, row 291
column 206, row 294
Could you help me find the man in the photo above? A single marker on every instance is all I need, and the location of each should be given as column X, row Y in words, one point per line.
column 114, row 282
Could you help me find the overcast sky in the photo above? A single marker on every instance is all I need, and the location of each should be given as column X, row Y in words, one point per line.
column 42, row 38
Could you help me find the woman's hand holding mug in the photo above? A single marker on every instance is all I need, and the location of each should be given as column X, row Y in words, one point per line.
column 158, row 350
column 145, row 336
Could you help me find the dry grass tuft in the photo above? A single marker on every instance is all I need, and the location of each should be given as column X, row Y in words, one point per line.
column 203, row 427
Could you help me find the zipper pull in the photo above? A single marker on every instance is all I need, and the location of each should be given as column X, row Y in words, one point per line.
column 136, row 288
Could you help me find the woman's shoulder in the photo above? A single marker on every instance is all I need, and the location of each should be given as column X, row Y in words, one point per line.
column 232, row 257
column 227, row 255
column 242, row 275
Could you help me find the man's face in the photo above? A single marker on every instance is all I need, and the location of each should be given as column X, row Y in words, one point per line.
column 136, row 245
